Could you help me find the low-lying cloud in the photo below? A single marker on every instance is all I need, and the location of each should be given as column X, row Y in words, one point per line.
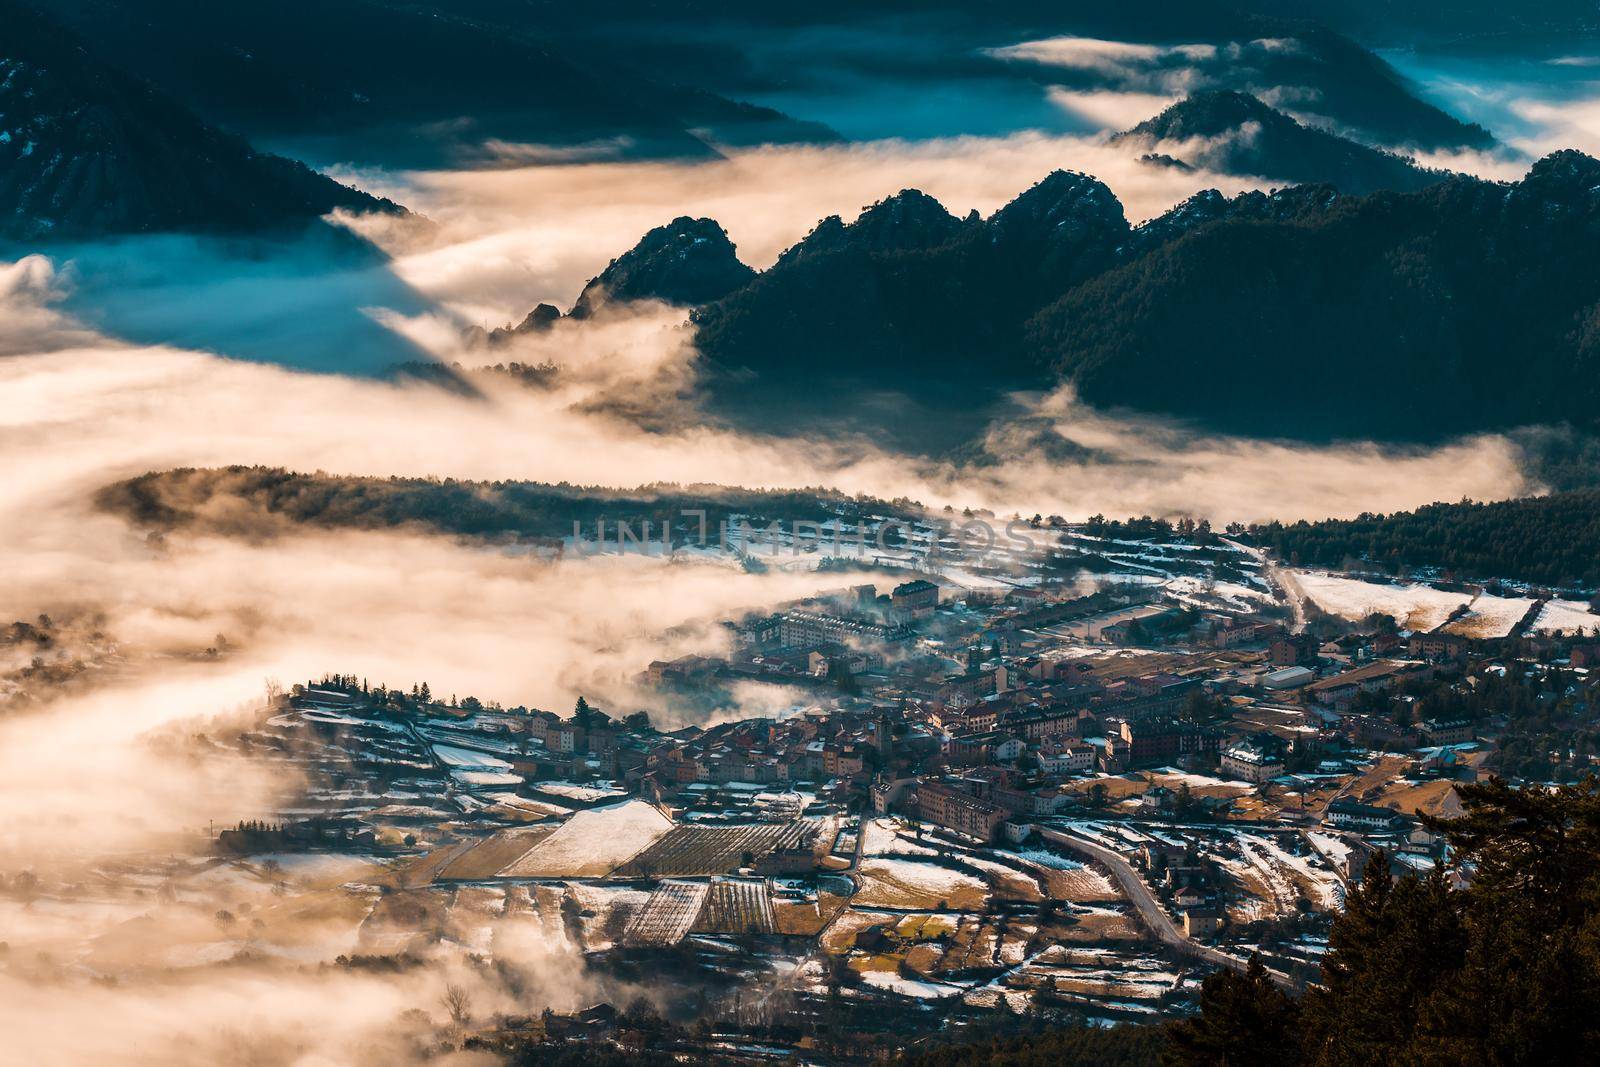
column 84, row 777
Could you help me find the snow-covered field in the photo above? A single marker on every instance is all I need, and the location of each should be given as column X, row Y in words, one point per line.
column 1413, row 607
column 319, row 867
column 882, row 839
column 1331, row 845
column 1280, row 878
column 1491, row 616
column 1313, row 873
column 1172, row 778
column 896, row 883
column 469, row 760
column 594, row 843
column 1046, row 858
column 1228, row 596
column 1565, row 617
column 909, row 987
column 587, row 794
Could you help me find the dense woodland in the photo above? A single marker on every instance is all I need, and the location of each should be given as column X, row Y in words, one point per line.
column 1544, row 730
column 1465, row 306
column 1550, row 540
column 909, row 289
column 261, row 501
column 88, row 150
column 1122, row 1046
column 1506, row 970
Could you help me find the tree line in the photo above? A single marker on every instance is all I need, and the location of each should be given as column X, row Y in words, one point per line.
column 1546, row 540
column 502, row 509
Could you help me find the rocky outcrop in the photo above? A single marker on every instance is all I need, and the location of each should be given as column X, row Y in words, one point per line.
column 687, row 262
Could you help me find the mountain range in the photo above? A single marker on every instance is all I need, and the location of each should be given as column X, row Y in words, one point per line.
column 1466, row 306
column 126, row 115
column 88, row 151
column 686, row 262
column 750, row 50
column 1463, row 306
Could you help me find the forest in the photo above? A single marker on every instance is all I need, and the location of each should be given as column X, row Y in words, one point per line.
column 1466, row 306
column 1412, row 317
column 1544, row 540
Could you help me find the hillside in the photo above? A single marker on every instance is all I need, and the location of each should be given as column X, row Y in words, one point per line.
column 1447, row 22
column 1406, row 316
column 262, row 502
column 686, row 262
column 1548, row 540
column 409, row 84
column 730, row 47
column 906, row 293
column 88, row 151
column 1235, row 133
column 1461, row 307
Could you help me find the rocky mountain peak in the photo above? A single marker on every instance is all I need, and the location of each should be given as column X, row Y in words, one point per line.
column 1206, row 114
column 1064, row 205
column 686, row 262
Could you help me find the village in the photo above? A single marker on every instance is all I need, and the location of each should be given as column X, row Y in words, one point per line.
column 1008, row 791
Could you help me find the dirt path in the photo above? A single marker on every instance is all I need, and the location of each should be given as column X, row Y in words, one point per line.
column 1385, row 770
column 1281, row 580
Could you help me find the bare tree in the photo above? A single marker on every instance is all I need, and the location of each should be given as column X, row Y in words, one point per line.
column 25, row 887
column 458, row 1003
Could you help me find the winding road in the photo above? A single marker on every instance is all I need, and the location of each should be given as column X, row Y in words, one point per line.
column 1150, row 910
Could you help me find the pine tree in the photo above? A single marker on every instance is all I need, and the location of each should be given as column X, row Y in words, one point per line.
column 1395, row 943
column 1244, row 1020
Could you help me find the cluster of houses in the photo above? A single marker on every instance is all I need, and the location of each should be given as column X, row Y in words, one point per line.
column 904, row 687
column 972, row 711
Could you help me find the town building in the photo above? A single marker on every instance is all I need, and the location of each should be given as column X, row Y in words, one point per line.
column 1347, row 814
column 1285, row 678
column 1293, row 650
column 954, row 809
column 1444, row 731
column 1159, row 741
column 1257, row 758
column 915, row 599
column 1341, row 690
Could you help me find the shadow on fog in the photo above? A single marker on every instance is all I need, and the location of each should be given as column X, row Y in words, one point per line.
column 299, row 301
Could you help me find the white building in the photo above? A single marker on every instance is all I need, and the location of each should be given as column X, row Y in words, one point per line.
column 1253, row 759
column 1075, row 758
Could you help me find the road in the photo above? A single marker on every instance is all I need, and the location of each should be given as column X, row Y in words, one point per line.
column 1150, row 910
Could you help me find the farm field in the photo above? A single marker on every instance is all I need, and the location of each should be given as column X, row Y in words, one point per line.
column 1413, row 606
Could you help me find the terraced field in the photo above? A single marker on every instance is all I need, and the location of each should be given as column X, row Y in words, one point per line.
column 668, row 916
column 737, row 906
column 723, row 906
column 490, row 856
column 699, row 851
